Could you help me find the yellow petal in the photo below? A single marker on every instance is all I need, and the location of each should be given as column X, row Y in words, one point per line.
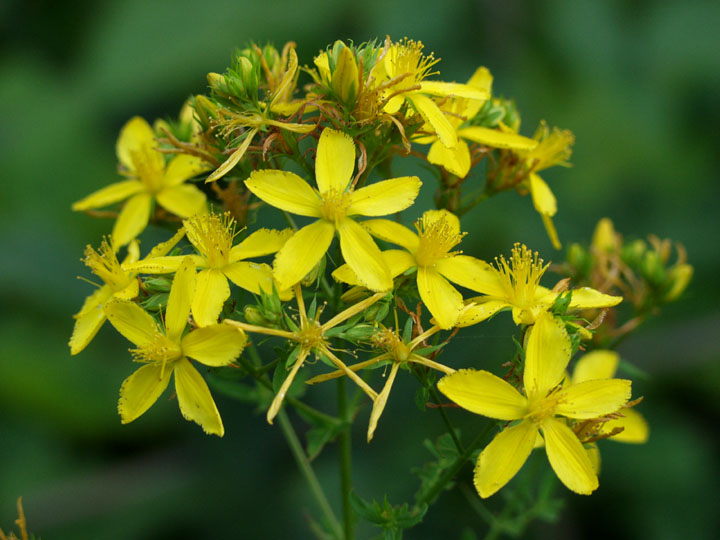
column 497, row 139
column 454, row 160
column 87, row 324
column 214, row 345
column 432, row 114
column 131, row 321
column 157, row 265
column 179, row 300
column 503, row 457
column 398, row 261
column 546, row 355
column 234, row 158
column 599, row 364
column 592, row 399
column 280, row 396
column 302, row 252
column 468, row 272
column 110, row 194
column 568, row 458
column 285, row 190
column 482, row 79
column 261, row 242
column 594, row 454
column 442, row 89
column 141, row 389
column 137, row 141
column 483, row 393
column 211, row 291
column 386, row 197
column 543, row 199
column 196, row 403
column 363, row 256
column 183, row 167
column 184, row 200
column 132, row 220
column 585, row 298
column 635, row 427
column 441, row 298
column 392, row 232
column 381, row 401
column 163, row 248
column 95, row 300
column 480, row 311
column 253, row 277
column 551, row 231
column 335, row 161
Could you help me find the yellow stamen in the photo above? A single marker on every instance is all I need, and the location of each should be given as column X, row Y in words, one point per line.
column 212, row 235
column 406, row 57
column 335, row 205
column 437, row 238
column 520, row 277
column 105, row 265
column 145, row 169
column 160, row 351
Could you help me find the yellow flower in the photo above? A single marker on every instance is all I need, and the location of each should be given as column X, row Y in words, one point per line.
column 544, row 400
column 149, row 179
column 429, row 251
column 165, row 351
column 405, row 70
column 334, row 204
column 516, row 284
column 457, row 159
column 311, row 336
column 602, row 364
column 399, row 353
column 212, row 236
column 118, row 283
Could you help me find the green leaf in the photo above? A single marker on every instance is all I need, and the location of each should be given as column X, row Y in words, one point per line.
column 422, row 396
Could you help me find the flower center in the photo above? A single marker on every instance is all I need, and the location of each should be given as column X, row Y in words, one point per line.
column 310, row 336
column 145, row 167
column 212, row 235
column 335, row 205
column 543, row 408
column 160, row 351
column 407, row 57
column 520, row 277
column 437, row 238
column 391, row 342
column 105, row 265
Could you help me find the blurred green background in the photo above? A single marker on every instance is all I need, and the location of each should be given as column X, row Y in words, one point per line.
column 637, row 82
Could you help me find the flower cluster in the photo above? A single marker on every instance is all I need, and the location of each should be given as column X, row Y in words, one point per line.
column 259, row 147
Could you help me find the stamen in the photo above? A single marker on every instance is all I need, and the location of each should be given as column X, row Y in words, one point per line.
column 105, row 265
column 335, row 205
column 212, row 235
column 521, row 276
column 406, row 57
column 437, row 238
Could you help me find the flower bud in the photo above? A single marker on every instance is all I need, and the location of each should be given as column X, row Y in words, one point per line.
column 579, row 259
column 254, row 316
column 679, row 277
column 311, row 276
column 652, row 268
column 604, row 238
column 633, row 253
column 205, row 110
column 344, row 80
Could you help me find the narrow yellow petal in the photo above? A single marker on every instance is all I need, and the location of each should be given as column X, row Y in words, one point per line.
column 286, row 191
column 184, row 200
column 180, row 299
column 95, row 300
column 194, row 398
column 432, row 114
column 546, row 355
column 392, row 232
column 157, row 265
column 302, row 252
column 480, row 311
column 261, row 242
column 386, row 197
column 635, row 427
column 138, row 139
column 592, row 399
column 543, row 199
column 443, row 89
column 163, row 248
column 397, row 260
column 183, row 167
column 441, row 298
column 335, row 161
column 251, row 276
column 586, row 298
column 214, row 345
column 568, row 458
column 86, row 326
column 483, row 393
column 141, row 389
column 110, row 194
column 381, row 401
column 234, row 158
column 497, row 139
column 131, row 321
column 211, row 291
column 363, row 256
column 454, row 160
column 551, row 231
column 280, row 396
column 503, row 457
column 598, row 364
column 132, row 220
column 468, row 272
column 482, row 79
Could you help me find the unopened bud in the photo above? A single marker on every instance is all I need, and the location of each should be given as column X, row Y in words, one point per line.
column 579, row 259
column 254, row 316
column 632, row 253
column 311, row 276
column 679, row 277
column 604, row 238
column 205, row 110
column 345, row 76
column 216, row 81
column 652, row 268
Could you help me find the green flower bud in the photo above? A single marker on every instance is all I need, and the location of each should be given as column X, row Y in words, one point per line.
column 679, row 277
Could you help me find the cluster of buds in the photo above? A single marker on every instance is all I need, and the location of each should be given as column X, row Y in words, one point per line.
column 320, row 159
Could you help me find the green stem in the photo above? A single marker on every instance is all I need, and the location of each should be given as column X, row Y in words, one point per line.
column 454, row 468
column 345, row 446
column 290, row 220
column 308, row 473
column 448, row 425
